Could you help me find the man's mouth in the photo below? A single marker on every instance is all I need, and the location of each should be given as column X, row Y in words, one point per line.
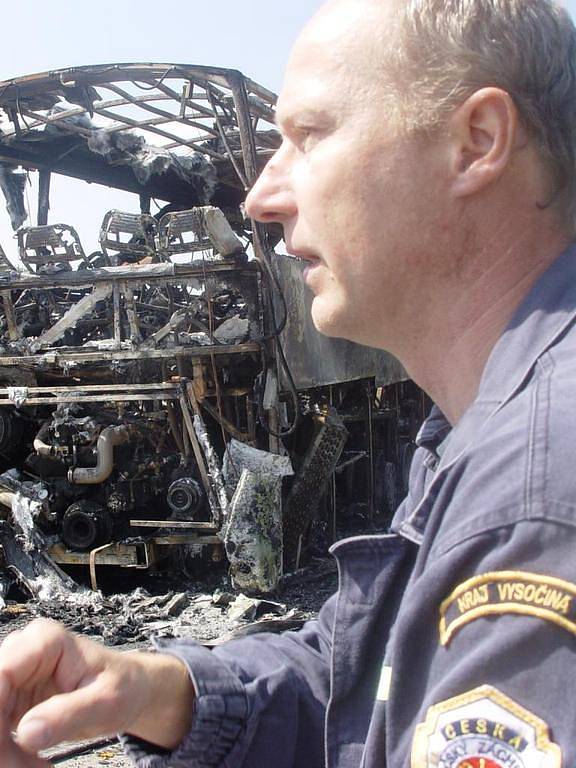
column 292, row 257
column 307, row 258
column 302, row 255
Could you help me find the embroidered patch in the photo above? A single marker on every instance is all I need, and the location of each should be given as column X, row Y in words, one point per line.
column 519, row 592
column 483, row 728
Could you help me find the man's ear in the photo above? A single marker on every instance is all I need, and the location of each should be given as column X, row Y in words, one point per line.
column 485, row 130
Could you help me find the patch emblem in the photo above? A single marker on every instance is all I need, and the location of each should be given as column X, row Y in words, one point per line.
column 511, row 592
column 483, row 728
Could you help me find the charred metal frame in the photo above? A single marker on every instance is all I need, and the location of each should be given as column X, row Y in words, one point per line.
column 206, row 93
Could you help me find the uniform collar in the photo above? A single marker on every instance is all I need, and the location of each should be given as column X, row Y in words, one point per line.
column 546, row 313
column 433, row 431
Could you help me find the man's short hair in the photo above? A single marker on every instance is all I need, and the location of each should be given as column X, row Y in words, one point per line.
column 450, row 48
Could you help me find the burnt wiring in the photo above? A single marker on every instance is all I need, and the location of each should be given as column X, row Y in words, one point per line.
column 19, row 110
column 155, row 83
column 261, row 236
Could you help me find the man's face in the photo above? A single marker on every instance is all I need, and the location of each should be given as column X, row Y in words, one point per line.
column 358, row 199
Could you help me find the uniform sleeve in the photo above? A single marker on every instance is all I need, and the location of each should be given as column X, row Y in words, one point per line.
column 260, row 701
column 485, row 656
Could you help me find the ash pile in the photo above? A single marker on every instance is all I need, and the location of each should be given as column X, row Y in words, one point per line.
column 210, row 617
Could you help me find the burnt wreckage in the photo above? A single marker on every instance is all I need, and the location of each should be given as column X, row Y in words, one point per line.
column 166, row 396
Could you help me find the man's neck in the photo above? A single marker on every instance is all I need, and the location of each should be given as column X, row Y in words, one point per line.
column 452, row 350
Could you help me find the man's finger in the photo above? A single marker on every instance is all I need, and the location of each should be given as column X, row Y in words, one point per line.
column 33, row 653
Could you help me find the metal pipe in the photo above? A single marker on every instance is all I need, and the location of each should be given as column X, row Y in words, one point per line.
column 108, row 438
column 42, row 449
column 6, row 500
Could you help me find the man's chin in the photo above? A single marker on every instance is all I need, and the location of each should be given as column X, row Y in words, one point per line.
column 328, row 323
column 334, row 325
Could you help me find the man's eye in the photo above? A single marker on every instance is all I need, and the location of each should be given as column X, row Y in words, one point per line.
column 306, row 137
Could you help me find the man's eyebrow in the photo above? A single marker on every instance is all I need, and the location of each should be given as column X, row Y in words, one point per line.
column 303, row 116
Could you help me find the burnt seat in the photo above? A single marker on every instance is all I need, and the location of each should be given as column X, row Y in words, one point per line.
column 52, row 245
column 197, row 230
column 128, row 237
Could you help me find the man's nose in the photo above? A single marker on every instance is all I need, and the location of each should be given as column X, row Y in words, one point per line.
column 271, row 199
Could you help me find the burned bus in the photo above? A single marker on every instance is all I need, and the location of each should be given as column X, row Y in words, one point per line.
column 164, row 396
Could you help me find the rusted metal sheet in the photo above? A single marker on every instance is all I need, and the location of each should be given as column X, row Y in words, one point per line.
column 317, row 360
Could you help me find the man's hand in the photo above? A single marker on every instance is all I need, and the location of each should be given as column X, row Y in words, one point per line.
column 56, row 686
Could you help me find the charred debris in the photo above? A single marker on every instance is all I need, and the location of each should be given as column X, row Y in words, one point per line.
column 165, row 402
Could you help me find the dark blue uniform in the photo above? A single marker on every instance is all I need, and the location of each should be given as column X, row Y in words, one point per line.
column 452, row 641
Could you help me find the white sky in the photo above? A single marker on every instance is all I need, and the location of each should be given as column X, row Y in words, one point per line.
column 253, row 36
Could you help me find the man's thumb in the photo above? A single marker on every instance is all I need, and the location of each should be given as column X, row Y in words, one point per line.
column 84, row 713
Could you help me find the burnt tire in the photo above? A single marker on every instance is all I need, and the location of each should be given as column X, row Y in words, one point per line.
column 86, row 525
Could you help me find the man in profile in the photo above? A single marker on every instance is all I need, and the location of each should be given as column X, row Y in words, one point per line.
column 427, row 177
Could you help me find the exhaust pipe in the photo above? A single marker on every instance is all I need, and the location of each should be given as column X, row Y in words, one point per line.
column 108, row 438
